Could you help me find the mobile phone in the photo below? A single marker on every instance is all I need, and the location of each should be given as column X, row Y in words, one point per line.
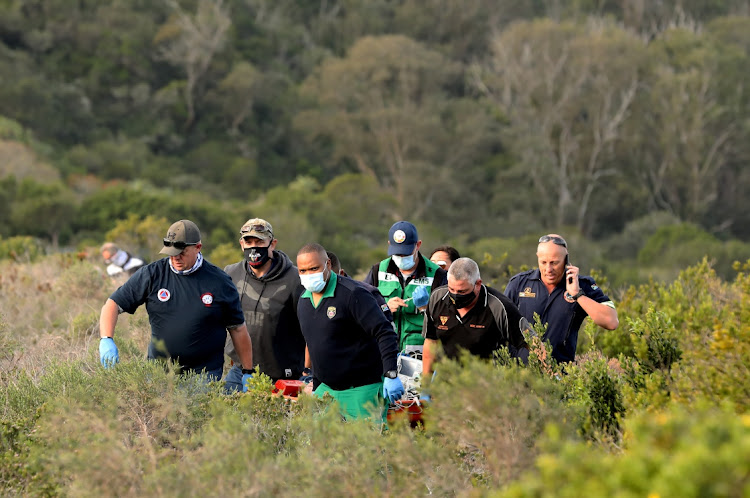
column 567, row 263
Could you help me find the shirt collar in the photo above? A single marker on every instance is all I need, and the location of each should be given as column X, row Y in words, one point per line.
column 328, row 290
column 196, row 266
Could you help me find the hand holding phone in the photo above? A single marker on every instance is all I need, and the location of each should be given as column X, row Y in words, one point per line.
column 567, row 264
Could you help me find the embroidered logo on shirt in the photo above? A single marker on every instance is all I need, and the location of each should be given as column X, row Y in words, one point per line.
column 384, row 307
column 207, row 299
column 331, row 311
column 443, row 319
column 527, row 293
column 288, row 372
column 163, row 295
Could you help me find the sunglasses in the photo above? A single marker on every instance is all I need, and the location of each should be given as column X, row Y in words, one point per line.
column 557, row 240
column 255, row 228
column 178, row 245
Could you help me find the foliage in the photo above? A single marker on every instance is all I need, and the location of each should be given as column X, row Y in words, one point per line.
column 681, row 451
column 21, row 248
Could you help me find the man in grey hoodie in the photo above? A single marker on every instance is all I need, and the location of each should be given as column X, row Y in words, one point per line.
column 269, row 288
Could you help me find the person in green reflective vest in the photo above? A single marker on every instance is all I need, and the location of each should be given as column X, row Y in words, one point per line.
column 405, row 279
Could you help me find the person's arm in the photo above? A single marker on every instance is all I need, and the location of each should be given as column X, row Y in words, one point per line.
column 602, row 314
column 371, row 319
column 242, row 344
column 372, row 276
column 308, row 360
column 108, row 319
column 428, row 354
column 594, row 302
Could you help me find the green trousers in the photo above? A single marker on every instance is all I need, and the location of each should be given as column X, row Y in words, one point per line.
column 357, row 402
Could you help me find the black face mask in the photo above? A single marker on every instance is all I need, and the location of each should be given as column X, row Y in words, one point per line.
column 462, row 300
column 256, row 256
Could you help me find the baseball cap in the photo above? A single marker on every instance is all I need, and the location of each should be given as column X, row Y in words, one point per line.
column 184, row 231
column 257, row 227
column 402, row 238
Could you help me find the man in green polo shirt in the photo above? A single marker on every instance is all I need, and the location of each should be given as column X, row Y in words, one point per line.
column 398, row 277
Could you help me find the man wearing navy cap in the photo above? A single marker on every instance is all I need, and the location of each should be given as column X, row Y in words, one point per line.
column 405, row 279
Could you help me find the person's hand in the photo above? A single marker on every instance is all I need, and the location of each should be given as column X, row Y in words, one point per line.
column 307, row 375
column 245, row 379
column 395, row 303
column 420, row 296
column 393, row 389
column 571, row 280
column 108, row 353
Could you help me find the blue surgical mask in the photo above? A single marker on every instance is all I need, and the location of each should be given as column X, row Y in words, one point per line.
column 404, row 262
column 314, row 282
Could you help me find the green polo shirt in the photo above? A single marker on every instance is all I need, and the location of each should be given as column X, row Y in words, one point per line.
column 328, row 290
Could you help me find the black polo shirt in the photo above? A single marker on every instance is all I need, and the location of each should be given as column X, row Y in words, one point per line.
column 189, row 314
column 481, row 331
column 563, row 319
column 351, row 342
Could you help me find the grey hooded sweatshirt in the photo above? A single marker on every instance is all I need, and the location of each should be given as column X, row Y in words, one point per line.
column 270, row 307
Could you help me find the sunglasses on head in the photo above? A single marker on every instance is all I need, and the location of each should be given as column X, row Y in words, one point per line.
column 550, row 238
column 178, row 245
column 255, row 228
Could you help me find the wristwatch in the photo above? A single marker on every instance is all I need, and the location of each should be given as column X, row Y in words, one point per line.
column 569, row 297
column 391, row 374
column 250, row 371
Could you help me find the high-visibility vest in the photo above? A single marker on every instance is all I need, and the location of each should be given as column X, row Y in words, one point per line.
column 408, row 319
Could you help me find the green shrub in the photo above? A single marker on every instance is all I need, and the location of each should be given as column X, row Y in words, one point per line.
column 21, row 248
column 594, row 385
column 657, row 344
column 683, row 451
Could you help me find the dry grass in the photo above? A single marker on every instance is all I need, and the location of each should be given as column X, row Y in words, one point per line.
column 50, row 312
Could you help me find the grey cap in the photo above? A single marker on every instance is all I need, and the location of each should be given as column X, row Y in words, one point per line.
column 181, row 231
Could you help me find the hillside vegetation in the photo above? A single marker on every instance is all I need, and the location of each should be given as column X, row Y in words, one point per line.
column 481, row 121
column 658, row 407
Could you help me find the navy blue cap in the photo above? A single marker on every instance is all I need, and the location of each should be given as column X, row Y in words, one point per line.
column 402, row 238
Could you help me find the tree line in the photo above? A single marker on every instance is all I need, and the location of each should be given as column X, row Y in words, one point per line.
column 481, row 121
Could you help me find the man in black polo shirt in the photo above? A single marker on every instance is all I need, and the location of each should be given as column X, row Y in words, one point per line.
column 468, row 315
column 190, row 303
column 351, row 343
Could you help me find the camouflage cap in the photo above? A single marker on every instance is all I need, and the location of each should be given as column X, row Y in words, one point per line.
column 181, row 231
column 257, row 227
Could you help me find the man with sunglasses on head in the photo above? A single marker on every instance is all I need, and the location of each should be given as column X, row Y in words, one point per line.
column 406, row 279
column 561, row 297
column 191, row 305
column 269, row 288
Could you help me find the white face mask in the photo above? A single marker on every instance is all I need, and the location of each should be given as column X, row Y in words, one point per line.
column 314, row 282
column 404, row 262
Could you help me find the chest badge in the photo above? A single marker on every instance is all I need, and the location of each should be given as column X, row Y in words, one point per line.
column 163, row 295
column 443, row 319
column 207, row 299
column 527, row 293
column 331, row 312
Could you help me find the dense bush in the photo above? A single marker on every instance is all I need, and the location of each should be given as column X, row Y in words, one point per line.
column 667, row 415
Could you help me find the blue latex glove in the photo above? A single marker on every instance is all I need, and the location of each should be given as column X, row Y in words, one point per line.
column 393, row 389
column 108, row 353
column 245, row 379
column 307, row 375
column 420, row 296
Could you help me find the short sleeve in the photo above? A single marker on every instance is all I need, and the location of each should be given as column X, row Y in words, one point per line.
column 134, row 292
